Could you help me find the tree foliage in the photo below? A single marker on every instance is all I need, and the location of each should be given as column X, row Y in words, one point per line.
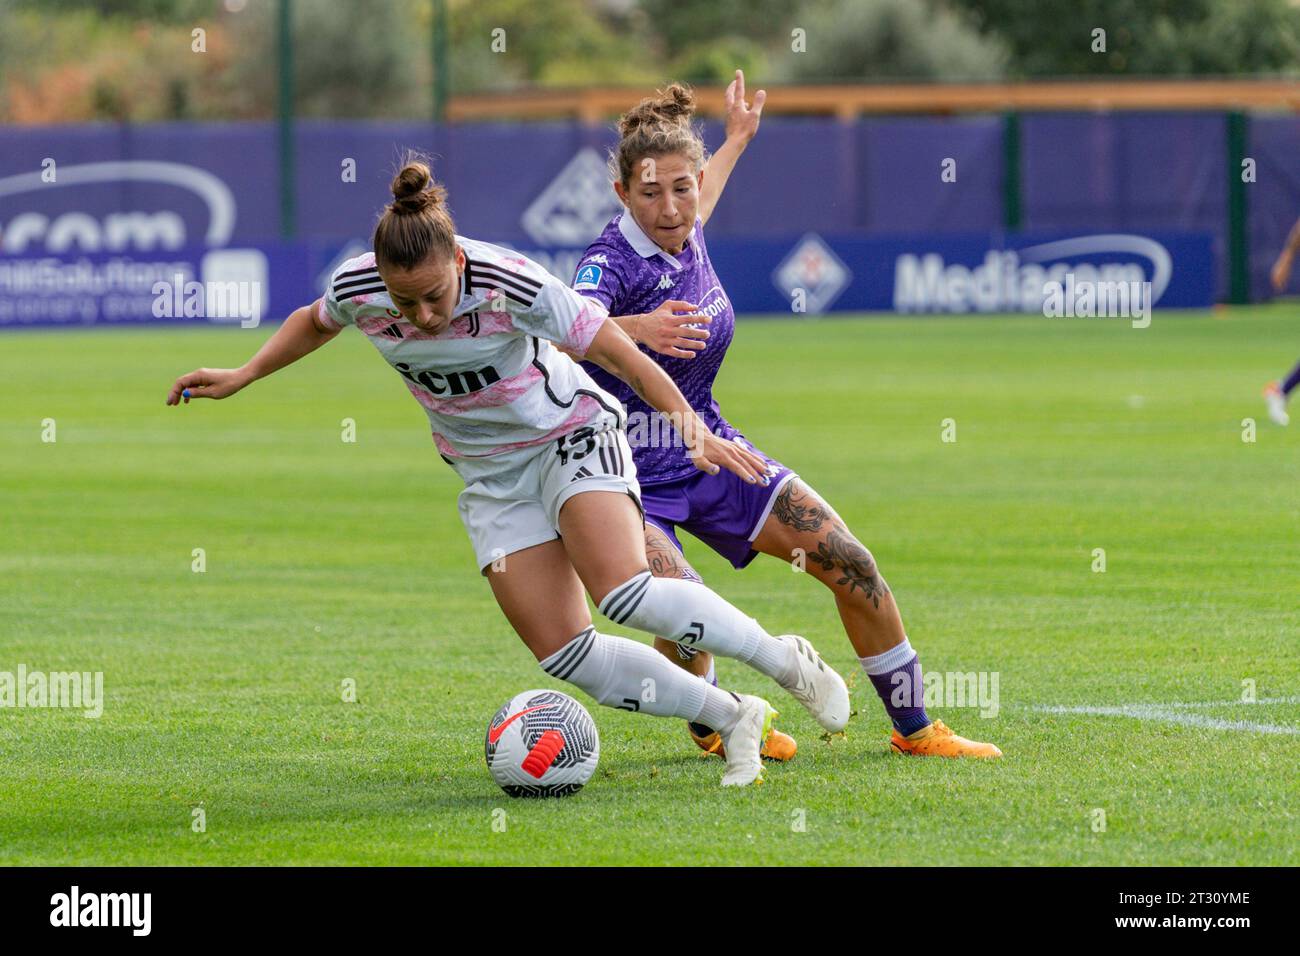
column 131, row 60
column 889, row 39
column 1143, row 37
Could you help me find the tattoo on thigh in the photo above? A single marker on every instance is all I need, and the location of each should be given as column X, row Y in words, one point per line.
column 840, row 550
column 666, row 561
column 799, row 509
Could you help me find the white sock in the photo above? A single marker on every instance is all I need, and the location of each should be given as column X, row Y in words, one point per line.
column 890, row 660
column 621, row 673
column 721, row 708
column 689, row 613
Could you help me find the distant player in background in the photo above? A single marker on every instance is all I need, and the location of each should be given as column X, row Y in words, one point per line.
column 551, row 502
column 651, row 263
column 1276, row 394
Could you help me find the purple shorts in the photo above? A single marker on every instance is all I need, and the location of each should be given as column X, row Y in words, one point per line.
column 723, row 510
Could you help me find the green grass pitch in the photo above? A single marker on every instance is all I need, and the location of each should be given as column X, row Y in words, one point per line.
column 328, row 561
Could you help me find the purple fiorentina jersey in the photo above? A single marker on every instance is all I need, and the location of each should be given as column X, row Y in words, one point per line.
column 627, row 272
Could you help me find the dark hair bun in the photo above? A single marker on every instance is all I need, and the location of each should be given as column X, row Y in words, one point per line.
column 414, row 190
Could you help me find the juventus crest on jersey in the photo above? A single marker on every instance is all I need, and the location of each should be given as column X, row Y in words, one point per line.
column 492, row 381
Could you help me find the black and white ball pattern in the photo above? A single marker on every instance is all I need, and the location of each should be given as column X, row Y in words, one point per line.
column 520, row 728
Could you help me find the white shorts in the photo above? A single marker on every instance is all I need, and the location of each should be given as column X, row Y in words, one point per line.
column 517, row 505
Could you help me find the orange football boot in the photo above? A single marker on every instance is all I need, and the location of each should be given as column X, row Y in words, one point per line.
column 777, row 746
column 938, row 740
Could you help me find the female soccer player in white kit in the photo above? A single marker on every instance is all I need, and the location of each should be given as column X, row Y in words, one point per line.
column 549, row 480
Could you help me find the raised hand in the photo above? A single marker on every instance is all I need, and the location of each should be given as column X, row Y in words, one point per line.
column 741, row 118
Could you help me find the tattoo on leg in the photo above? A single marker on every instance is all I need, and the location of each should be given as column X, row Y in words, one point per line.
column 666, row 561
column 842, row 551
column 798, row 508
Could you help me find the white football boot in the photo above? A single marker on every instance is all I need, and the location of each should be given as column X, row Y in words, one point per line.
column 1276, row 403
column 817, row 686
column 744, row 742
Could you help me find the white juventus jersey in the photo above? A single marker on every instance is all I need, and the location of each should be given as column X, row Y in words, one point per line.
column 491, row 382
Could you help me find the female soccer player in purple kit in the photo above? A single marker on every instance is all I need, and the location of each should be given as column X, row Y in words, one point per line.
column 650, row 267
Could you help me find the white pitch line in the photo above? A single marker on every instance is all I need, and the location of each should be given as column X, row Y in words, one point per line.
column 1171, row 714
column 1228, row 703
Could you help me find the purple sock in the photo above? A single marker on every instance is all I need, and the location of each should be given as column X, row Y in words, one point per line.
column 1292, row 380
column 896, row 675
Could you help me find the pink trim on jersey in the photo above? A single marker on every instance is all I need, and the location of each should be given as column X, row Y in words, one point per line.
column 504, row 392
column 584, row 410
column 444, row 446
column 585, row 326
column 409, row 331
column 489, row 323
column 374, row 324
column 324, row 316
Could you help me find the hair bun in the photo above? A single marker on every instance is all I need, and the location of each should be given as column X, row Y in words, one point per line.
column 676, row 104
column 414, row 189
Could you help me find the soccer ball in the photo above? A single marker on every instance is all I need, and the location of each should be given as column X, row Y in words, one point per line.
column 542, row 743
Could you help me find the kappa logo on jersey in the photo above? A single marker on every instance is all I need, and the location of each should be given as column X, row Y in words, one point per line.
column 665, row 282
column 588, row 277
column 599, row 257
column 451, row 384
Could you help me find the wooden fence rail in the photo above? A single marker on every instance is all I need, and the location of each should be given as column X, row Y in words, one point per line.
column 598, row 105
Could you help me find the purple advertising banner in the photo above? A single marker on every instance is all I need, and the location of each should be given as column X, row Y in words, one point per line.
column 96, row 206
column 1128, row 172
column 242, row 285
column 809, row 274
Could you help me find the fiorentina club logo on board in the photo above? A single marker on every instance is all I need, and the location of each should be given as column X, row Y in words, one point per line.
column 813, row 267
column 574, row 207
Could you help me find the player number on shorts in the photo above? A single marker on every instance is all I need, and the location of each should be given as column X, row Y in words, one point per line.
column 580, row 443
